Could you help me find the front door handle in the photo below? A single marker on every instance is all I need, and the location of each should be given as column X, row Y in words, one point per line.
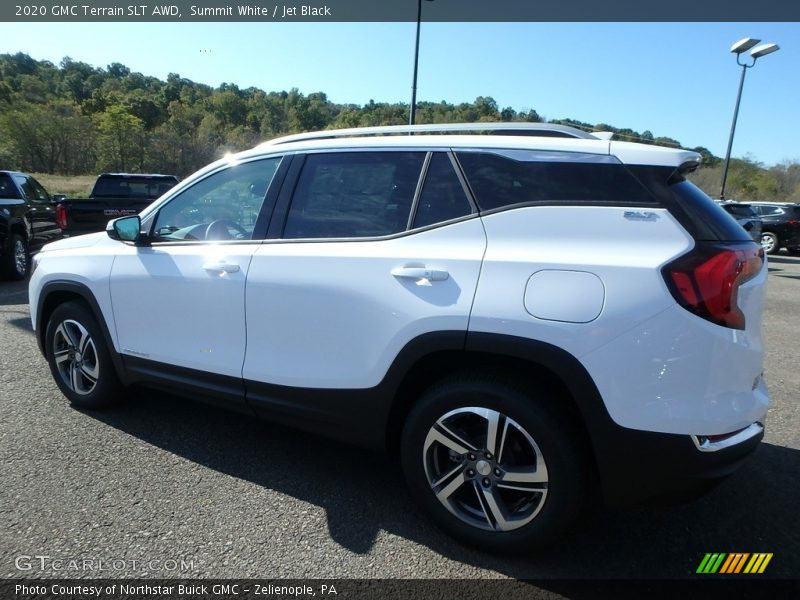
column 420, row 273
column 221, row 267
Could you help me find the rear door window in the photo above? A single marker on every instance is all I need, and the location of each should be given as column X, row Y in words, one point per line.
column 770, row 211
column 354, row 195
column 7, row 187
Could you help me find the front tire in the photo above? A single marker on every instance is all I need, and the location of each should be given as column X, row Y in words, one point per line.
column 496, row 466
column 17, row 261
column 79, row 359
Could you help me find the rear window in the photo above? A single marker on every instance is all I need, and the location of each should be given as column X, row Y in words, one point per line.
column 509, row 177
column 112, row 187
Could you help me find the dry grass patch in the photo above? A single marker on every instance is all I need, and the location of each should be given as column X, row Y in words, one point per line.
column 74, row 186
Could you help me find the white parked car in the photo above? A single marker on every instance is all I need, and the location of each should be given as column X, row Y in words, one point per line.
column 527, row 316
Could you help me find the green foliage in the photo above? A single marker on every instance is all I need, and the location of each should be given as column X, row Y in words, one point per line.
column 749, row 180
column 77, row 119
column 120, row 141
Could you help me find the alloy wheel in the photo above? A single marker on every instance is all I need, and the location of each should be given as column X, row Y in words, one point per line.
column 20, row 257
column 768, row 242
column 75, row 357
column 485, row 468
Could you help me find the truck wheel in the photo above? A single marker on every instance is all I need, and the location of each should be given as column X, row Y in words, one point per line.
column 17, row 261
column 770, row 242
column 494, row 465
column 79, row 358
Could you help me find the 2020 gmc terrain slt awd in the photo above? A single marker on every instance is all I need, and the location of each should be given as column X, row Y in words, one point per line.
column 526, row 317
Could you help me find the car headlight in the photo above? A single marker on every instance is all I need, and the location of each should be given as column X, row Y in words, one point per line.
column 35, row 263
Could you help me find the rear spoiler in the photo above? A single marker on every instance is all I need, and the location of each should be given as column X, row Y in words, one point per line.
column 683, row 170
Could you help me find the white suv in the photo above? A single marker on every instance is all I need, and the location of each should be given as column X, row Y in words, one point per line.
column 527, row 314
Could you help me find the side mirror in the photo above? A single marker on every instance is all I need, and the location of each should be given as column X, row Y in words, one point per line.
column 56, row 198
column 125, row 229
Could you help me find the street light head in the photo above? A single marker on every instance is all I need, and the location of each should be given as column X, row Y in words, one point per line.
column 744, row 45
column 764, row 49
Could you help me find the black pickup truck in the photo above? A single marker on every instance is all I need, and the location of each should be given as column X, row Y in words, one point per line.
column 114, row 195
column 27, row 222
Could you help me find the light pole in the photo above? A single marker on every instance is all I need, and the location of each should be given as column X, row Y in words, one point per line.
column 740, row 48
column 412, row 114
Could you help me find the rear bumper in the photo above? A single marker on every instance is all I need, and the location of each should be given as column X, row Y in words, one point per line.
column 641, row 465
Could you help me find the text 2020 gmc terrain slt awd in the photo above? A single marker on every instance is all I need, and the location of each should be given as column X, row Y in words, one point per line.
column 526, row 317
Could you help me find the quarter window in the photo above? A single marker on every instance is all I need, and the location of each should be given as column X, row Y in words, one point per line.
column 505, row 178
column 354, row 194
column 223, row 206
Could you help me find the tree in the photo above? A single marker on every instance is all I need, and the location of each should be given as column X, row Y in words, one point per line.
column 52, row 138
column 120, row 140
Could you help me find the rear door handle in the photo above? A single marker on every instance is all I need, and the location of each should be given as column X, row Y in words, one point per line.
column 420, row 273
column 221, row 267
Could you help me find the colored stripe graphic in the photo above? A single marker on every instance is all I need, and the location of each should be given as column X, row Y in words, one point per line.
column 736, row 562
column 711, row 562
column 758, row 563
column 733, row 563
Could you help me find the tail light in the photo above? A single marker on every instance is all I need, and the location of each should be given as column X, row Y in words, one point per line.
column 61, row 216
column 706, row 280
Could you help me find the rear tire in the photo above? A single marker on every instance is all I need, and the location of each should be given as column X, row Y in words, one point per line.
column 16, row 263
column 770, row 242
column 495, row 465
column 79, row 359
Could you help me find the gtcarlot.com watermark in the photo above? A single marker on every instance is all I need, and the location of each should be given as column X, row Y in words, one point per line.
column 50, row 564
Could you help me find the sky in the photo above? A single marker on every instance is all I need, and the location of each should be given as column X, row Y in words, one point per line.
column 674, row 79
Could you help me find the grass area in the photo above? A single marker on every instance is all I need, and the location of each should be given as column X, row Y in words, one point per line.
column 74, row 186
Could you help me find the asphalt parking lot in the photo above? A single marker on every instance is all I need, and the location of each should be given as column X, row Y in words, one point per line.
column 161, row 483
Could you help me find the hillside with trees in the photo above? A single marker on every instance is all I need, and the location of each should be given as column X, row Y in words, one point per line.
column 74, row 118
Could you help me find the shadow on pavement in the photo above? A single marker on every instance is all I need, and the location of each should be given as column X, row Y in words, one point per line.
column 13, row 292
column 362, row 493
column 783, row 259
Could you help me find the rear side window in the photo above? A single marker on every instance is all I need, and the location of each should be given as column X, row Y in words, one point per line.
column 769, row 211
column 7, row 188
column 443, row 197
column 354, row 194
column 509, row 177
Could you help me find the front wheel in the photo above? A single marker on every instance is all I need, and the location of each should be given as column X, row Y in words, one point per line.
column 496, row 466
column 79, row 358
column 17, row 261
